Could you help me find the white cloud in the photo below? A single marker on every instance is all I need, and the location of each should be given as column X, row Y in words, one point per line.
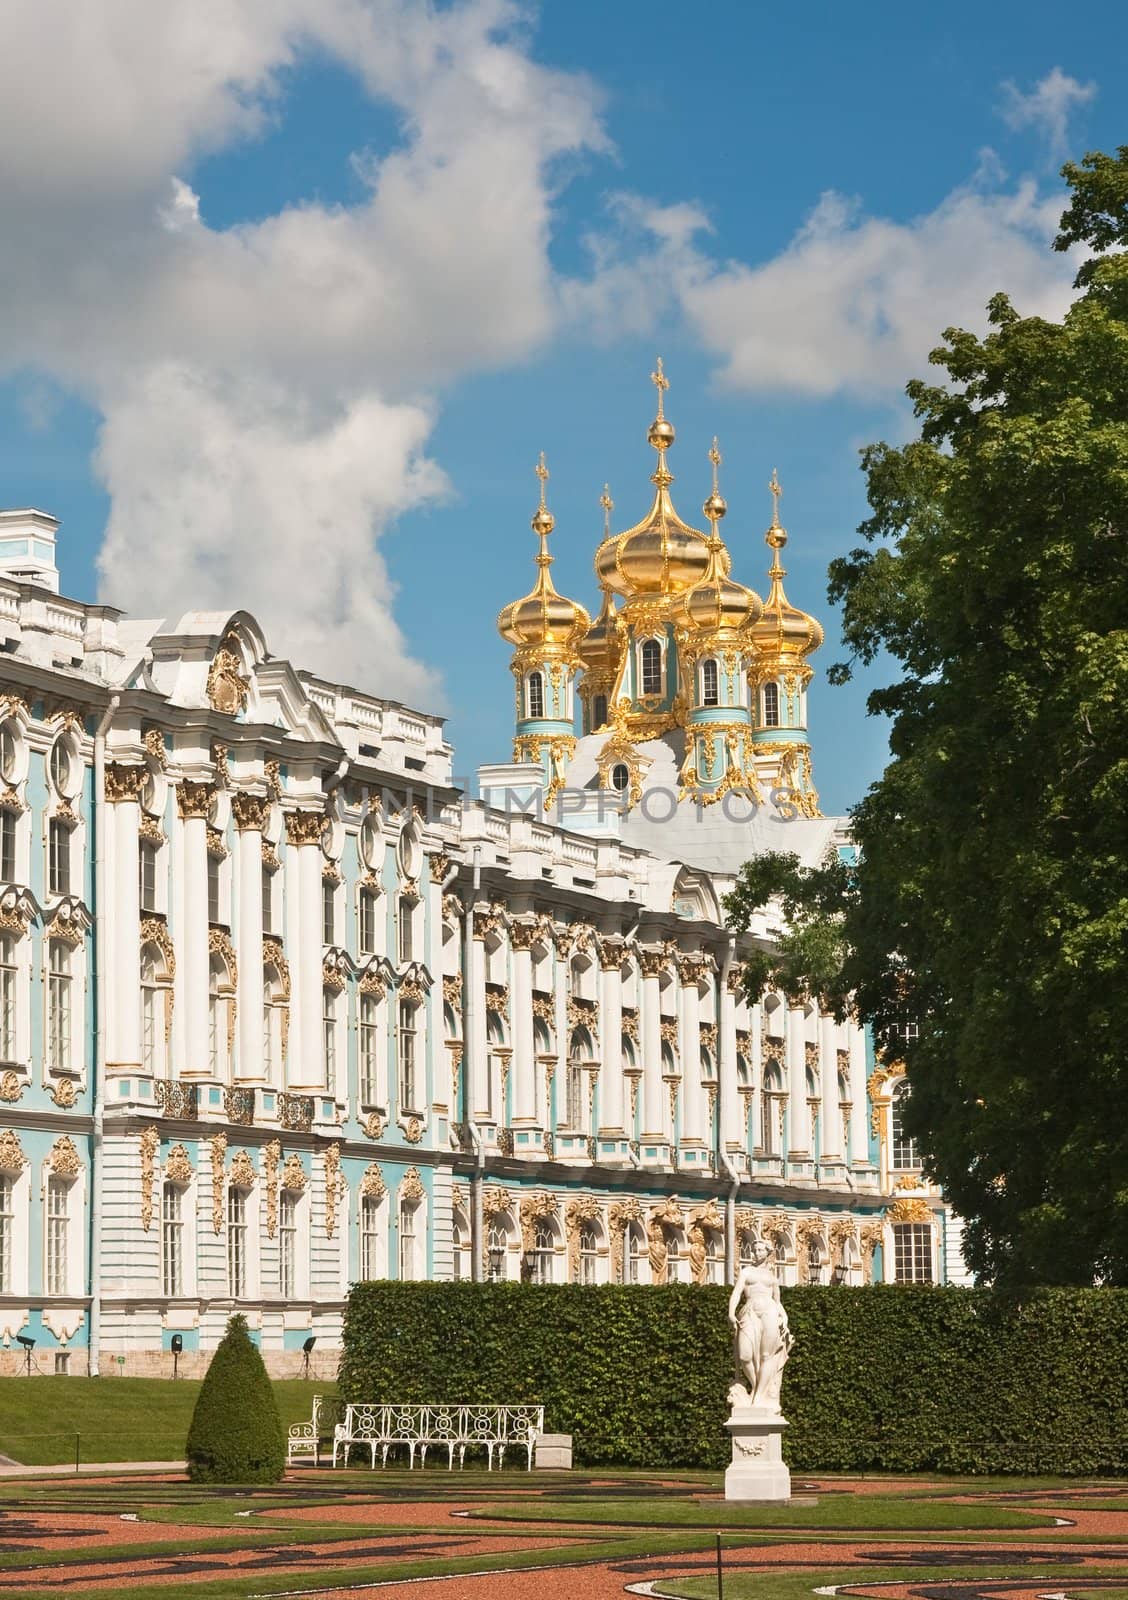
column 1047, row 107
column 853, row 304
column 238, row 369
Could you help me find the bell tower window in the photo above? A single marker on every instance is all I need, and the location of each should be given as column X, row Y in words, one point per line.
column 710, row 684
column 650, row 657
column 536, row 695
column 771, row 705
column 599, row 711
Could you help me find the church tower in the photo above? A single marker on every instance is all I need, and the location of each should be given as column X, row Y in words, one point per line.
column 784, row 637
column 547, row 630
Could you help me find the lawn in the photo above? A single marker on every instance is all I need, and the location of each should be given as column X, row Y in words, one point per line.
column 849, row 1513
column 42, row 1420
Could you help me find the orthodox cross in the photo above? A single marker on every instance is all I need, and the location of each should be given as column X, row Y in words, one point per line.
column 608, row 505
column 661, row 383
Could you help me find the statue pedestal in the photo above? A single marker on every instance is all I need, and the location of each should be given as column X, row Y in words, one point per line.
column 757, row 1471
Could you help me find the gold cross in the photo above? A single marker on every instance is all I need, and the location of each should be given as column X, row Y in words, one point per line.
column 542, row 473
column 775, row 490
column 716, row 458
column 608, row 505
column 661, row 383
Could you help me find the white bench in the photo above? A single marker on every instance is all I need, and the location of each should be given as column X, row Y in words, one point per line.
column 456, row 1427
column 303, row 1439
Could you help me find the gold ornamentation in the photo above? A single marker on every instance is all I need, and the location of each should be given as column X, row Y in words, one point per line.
column 219, row 944
column 491, row 922
column 218, row 1146
column 12, row 1158
column 150, row 830
column 582, row 1209
column 413, row 1130
column 270, row 857
column 708, row 1032
column 412, row 1186
column 10, row 801
column 372, row 1185
column 243, row 1174
column 495, row 1200
column 250, row 811
column 909, row 1210
column 653, row 961
column 272, row 771
column 154, row 742
column 64, row 1093
column 304, row 827
column 452, row 991
column 271, row 1156
column 411, row 989
column 372, row 982
column 374, row 1125
column 123, row 783
column 272, row 957
column 583, row 1014
column 227, row 688
column 219, row 762
column 193, row 800
column 497, row 998
column 668, row 1031
column 333, row 973
column 869, row 1238
column 63, row 1159
column 523, row 935
column 334, row 1187
column 630, row 1024
column 178, row 1165
column 293, row 1175
column 544, row 1008
column 11, row 1086
column 621, row 1213
column 538, row 1207
column 150, row 1139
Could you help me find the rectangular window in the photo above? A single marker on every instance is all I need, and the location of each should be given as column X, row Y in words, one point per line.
column 7, row 998
column 7, row 1231
column 328, row 912
column 407, row 1242
column 213, row 888
column 574, row 1108
column 58, row 1222
column 267, row 900
column 172, row 1240
column 237, row 1243
column 287, row 1244
column 710, row 684
column 771, row 705
column 912, row 1252
column 58, row 858
column 369, row 1045
column 7, row 847
column 406, row 930
column 147, row 876
column 407, row 1057
column 329, row 1031
column 58, row 1005
column 366, row 917
column 217, row 1034
column 149, row 1034
column 369, row 1237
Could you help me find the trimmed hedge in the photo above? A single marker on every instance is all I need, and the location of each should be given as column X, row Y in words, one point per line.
column 236, row 1434
column 881, row 1378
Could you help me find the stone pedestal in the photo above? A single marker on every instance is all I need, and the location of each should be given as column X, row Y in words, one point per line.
column 757, row 1471
column 554, row 1451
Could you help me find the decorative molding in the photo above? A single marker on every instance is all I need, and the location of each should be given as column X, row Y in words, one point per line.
column 271, row 1156
column 909, row 1210
column 495, row 1200
column 227, row 688
column 219, row 944
column 242, row 1174
column 334, row 969
column 536, row 1207
column 582, row 1209
column 372, row 1184
column 412, row 1186
column 216, row 844
column 497, row 998
column 668, row 1032
column 452, row 991
column 491, row 922
column 17, row 909
column 219, row 762
column 293, row 1175
column 653, row 961
column 708, row 1034
column 413, row 1130
column 150, row 1139
column 11, row 1086
column 218, row 1146
column 334, row 1187
column 121, row 783
column 193, row 800
column 12, row 1158
column 64, row 1093
column 304, row 827
column 63, row 1158
column 621, row 1213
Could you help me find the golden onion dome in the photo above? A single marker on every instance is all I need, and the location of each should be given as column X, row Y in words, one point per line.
column 600, row 649
column 718, row 603
column 543, row 618
column 661, row 555
column 783, row 633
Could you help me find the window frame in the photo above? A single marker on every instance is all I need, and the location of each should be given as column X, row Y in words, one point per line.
column 650, row 668
column 771, row 705
column 710, row 682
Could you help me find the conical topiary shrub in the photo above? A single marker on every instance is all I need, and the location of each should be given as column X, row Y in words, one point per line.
column 236, row 1433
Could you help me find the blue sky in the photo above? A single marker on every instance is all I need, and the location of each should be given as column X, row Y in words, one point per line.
column 291, row 302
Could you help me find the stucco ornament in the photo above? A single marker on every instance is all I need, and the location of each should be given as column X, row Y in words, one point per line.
column 761, row 1335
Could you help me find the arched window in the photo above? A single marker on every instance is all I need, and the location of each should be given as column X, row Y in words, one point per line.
column 650, row 658
column 772, row 1100
column 816, row 1261
column 904, row 1155
column 219, row 999
column 8, row 1045
column 589, row 1253
column 536, row 694
column 540, row 1259
column 620, row 777
column 599, row 712
column 59, row 985
column 496, row 1244
column 575, row 1099
column 273, row 1005
column 675, row 1260
column 748, row 1242
column 710, row 684
column 714, row 1256
column 771, row 705
column 634, row 1253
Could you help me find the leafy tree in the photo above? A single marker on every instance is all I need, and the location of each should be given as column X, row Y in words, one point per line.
column 236, row 1434
column 990, row 900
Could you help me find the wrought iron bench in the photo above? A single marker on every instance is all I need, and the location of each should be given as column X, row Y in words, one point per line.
column 305, row 1439
column 494, row 1428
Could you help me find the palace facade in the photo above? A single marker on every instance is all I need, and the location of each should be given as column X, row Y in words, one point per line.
column 280, row 1008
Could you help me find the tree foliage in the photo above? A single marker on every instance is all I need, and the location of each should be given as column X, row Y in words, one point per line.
column 236, row 1434
column 882, row 1378
column 990, row 902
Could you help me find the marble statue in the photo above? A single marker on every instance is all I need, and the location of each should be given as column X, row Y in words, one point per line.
column 761, row 1334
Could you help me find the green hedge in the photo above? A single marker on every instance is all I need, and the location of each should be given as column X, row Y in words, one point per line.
column 882, row 1378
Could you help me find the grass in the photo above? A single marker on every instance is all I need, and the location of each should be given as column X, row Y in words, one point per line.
column 801, row 1586
column 849, row 1513
column 116, row 1419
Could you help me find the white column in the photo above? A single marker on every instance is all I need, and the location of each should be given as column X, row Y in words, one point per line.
column 799, row 1122
column 250, row 815
column 611, row 1040
column 478, row 1096
column 125, row 1045
column 756, row 1062
column 732, row 1107
column 689, row 1048
column 194, row 801
column 561, row 987
column 653, row 1089
column 307, row 1053
column 830, row 1118
column 523, row 1065
column 859, row 1102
